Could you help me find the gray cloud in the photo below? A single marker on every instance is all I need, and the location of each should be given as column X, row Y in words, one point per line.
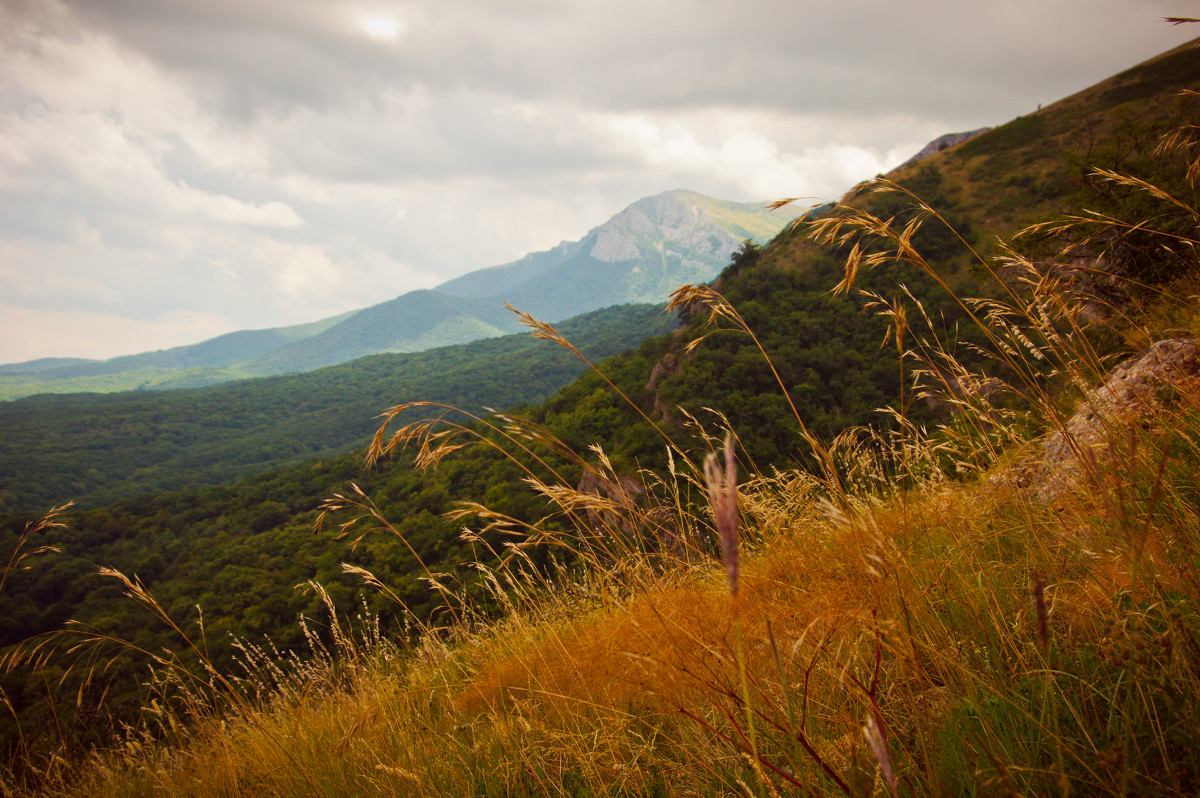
column 172, row 170
column 633, row 55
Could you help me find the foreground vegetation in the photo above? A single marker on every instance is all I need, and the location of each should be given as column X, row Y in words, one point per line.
column 931, row 605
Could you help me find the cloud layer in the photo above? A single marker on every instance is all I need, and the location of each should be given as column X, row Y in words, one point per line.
column 175, row 170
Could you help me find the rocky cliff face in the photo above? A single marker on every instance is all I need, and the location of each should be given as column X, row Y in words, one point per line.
column 668, row 365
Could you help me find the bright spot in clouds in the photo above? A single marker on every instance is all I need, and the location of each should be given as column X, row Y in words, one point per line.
column 382, row 28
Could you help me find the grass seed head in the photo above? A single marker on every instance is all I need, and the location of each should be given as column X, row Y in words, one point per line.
column 722, row 493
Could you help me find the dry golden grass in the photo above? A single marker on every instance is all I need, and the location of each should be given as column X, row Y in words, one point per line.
column 905, row 608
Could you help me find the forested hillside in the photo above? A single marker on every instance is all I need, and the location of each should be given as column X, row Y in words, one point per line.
column 93, row 449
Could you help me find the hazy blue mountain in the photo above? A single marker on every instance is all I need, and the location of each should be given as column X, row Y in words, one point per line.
column 495, row 279
column 224, row 350
column 640, row 255
column 411, row 322
column 43, row 364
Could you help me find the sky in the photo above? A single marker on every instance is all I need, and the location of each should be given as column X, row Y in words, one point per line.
column 171, row 170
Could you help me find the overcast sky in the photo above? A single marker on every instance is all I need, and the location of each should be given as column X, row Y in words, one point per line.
column 171, row 170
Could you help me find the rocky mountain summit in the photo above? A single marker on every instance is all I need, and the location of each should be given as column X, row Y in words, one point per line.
column 638, row 256
column 669, row 224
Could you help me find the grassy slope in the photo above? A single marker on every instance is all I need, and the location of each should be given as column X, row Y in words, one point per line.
column 914, row 609
column 742, row 219
column 999, row 645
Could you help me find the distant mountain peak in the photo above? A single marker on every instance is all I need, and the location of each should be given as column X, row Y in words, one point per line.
column 672, row 219
column 679, row 226
column 639, row 255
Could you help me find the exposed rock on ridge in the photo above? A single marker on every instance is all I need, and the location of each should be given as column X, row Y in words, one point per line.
column 669, row 364
column 943, row 143
column 662, row 220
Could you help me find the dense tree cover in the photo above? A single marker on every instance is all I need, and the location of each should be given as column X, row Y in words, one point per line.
column 240, row 552
column 243, row 555
column 95, row 449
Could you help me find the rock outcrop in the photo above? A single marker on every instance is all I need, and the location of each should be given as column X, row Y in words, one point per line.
column 1134, row 394
column 943, row 143
column 669, row 364
column 663, row 223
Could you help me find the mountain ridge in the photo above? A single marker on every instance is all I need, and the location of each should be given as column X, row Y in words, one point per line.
column 637, row 256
